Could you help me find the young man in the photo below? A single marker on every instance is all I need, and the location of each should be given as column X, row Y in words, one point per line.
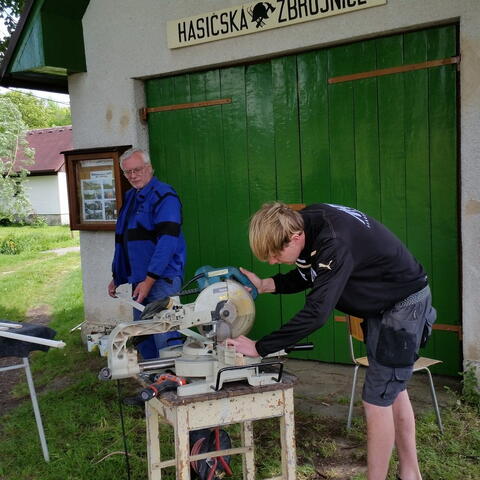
column 149, row 244
column 351, row 262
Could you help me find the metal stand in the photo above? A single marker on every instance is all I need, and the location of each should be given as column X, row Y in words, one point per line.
column 233, row 404
column 33, row 396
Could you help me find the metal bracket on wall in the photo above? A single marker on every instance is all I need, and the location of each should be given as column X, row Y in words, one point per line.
column 400, row 69
column 181, row 106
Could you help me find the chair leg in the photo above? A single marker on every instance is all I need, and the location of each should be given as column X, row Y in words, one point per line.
column 352, row 398
column 434, row 400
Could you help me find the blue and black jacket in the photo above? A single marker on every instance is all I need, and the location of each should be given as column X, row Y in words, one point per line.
column 148, row 235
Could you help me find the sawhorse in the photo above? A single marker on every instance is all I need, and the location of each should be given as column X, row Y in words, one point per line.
column 235, row 403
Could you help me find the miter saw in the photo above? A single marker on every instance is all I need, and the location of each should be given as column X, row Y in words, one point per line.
column 223, row 309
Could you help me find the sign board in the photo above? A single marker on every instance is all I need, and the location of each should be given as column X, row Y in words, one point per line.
column 256, row 17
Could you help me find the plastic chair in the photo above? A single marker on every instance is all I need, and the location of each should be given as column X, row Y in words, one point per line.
column 423, row 363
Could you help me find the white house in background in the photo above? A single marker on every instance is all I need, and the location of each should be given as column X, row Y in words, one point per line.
column 47, row 184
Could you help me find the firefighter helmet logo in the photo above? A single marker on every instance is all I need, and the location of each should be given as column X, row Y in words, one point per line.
column 259, row 13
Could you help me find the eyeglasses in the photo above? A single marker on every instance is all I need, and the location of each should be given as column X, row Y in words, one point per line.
column 129, row 173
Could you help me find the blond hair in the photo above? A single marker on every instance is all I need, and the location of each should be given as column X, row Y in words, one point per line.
column 271, row 229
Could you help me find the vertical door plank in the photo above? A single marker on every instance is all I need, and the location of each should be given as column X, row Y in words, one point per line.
column 417, row 150
column 200, row 133
column 419, row 232
column 443, row 167
column 367, row 165
column 186, row 179
column 391, row 136
column 315, row 158
column 342, row 154
column 287, row 154
column 216, row 188
column 159, row 93
column 261, row 164
column 234, row 130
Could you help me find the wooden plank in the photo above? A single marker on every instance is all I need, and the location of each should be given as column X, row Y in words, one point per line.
column 287, row 153
column 393, row 70
column 391, row 132
column 236, row 165
column 315, row 157
column 181, row 106
column 186, row 178
column 417, row 172
column 443, row 167
column 261, row 166
column 367, row 163
column 313, row 125
column 157, row 93
column 342, row 153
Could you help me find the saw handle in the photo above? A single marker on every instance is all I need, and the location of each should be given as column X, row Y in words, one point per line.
column 207, row 275
column 243, row 279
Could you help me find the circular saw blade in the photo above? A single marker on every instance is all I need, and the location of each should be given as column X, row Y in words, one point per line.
column 241, row 317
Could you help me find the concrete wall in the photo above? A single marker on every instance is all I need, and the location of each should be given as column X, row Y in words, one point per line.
column 105, row 100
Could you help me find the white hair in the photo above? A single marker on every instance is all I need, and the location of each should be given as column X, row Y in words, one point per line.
column 131, row 151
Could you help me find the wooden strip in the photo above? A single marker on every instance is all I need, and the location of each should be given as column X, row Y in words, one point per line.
column 436, row 326
column 202, row 456
column 181, row 106
column 390, row 71
column 296, row 206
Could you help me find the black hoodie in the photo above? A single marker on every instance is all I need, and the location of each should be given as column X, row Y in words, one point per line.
column 351, row 262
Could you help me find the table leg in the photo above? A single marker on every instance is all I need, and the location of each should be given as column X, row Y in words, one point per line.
column 182, row 444
column 153, row 443
column 248, row 459
column 287, row 437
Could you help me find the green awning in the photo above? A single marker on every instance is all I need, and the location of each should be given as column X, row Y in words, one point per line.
column 46, row 46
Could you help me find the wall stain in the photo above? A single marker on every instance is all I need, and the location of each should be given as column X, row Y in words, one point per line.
column 472, row 207
column 109, row 114
column 124, row 120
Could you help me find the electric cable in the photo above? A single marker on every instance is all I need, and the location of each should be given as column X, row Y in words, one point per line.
column 127, row 462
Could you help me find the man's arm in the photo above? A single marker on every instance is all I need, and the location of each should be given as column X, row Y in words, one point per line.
column 321, row 300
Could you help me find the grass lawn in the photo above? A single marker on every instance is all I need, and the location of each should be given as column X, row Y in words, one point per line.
column 81, row 413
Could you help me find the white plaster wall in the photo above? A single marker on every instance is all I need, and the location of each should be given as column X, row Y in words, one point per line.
column 43, row 194
column 126, row 40
column 63, row 197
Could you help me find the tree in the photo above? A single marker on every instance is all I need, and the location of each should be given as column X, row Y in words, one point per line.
column 14, row 204
column 10, row 11
column 39, row 113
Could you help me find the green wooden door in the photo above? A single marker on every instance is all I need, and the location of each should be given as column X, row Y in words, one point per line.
column 386, row 145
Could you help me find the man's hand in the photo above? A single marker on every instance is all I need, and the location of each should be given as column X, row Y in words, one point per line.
column 265, row 285
column 143, row 289
column 243, row 345
column 112, row 289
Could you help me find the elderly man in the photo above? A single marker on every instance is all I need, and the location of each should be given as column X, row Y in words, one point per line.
column 149, row 244
column 350, row 261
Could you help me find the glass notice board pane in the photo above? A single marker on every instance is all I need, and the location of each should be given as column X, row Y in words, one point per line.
column 96, row 190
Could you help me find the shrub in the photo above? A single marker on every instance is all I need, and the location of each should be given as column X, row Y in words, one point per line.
column 12, row 245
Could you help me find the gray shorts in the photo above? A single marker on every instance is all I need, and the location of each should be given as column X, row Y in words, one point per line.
column 393, row 340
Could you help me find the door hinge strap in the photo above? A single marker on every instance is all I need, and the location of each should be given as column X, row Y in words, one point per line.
column 182, row 106
column 392, row 70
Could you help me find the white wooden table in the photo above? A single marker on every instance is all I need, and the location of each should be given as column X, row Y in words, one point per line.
column 235, row 403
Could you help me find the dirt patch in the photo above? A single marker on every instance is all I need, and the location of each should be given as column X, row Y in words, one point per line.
column 40, row 315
